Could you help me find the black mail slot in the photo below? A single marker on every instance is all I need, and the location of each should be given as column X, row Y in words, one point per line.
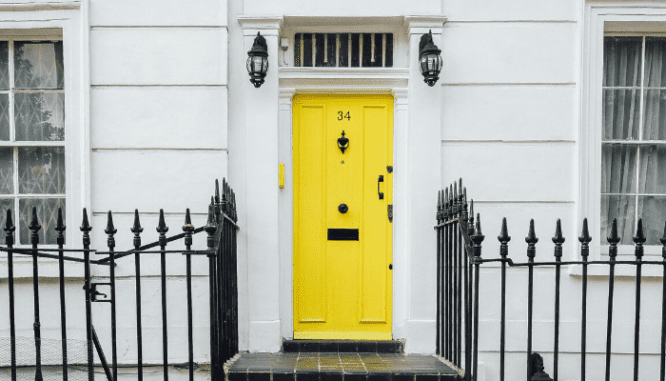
column 343, row 234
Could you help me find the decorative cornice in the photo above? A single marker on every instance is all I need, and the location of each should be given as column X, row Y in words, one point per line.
column 260, row 23
column 416, row 23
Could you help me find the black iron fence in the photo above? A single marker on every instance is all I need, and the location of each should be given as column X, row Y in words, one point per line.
column 459, row 239
column 222, row 275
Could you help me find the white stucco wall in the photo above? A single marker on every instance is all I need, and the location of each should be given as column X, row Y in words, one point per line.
column 156, row 133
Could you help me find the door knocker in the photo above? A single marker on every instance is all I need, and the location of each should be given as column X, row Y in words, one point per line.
column 343, row 143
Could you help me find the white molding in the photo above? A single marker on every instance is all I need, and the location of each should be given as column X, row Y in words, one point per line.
column 423, row 24
column 72, row 20
column 40, row 6
column 343, row 73
column 267, row 25
column 600, row 17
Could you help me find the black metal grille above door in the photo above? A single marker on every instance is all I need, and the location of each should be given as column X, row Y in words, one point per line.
column 343, row 50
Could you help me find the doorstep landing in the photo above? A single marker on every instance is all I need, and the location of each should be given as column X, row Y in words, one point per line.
column 333, row 366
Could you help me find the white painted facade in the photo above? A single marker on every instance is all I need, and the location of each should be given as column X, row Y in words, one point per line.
column 159, row 104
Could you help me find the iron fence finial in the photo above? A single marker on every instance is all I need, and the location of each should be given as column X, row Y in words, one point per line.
column 504, row 236
column 9, row 229
column 558, row 239
column 161, row 225
column 110, row 229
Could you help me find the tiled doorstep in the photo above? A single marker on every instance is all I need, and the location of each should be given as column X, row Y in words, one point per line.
column 324, row 366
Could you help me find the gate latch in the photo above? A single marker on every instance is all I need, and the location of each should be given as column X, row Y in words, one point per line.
column 390, row 213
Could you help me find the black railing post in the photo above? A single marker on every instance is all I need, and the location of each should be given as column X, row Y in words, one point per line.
column 585, row 240
column 531, row 240
column 558, row 240
column 612, row 253
column 137, row 229
column 60, row 240
column 504, row 239
column 162, row 229
column 210, row 231
column 639, row 240
column 477, row 238
column 111, row 244
column 188, row 228
column 234, row 265
column 470, row 296
column 34, row 239
column 86, row 228
column 438, row 229
column 9, row 241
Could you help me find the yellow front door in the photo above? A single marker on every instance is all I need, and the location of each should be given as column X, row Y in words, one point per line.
column 342, row 232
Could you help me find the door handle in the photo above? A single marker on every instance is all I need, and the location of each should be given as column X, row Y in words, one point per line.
column 380, row 180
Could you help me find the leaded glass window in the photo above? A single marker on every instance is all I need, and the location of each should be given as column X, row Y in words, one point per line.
column 32, row 135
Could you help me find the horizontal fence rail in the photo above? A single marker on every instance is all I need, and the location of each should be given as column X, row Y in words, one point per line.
column 459, row 239
column 220, row 250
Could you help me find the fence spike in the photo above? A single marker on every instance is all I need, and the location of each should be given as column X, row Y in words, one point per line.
column 614, row 238
column 662, row 239
column 34, row 222
column 531, row 235
column 110, row 229
column 9, row 229
column 217, row 190
column 233, row 205
column 210, row 222
column 85, row 225
column 445, row 204
column 470, row 222
column 188, row 219
column 439, row 207
column 477, row 237
column 585, row 233
column 504, row 236
column 452, row 211
column 456, row 210
column 60, row 225
column 161, row 225
column 558, row 239
column 136, row 228
column 639, row 239
column 463, row 206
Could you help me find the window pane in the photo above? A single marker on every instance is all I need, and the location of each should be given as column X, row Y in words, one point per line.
column 41, row 170
column 651, row 178
column 6, row 171
column 4, row 65
column 622, row 56
column 652, row 209
column 39, row 116
column 47, row 214
column 618, row 165
column 4, row 117
column 624, row 209
column 38, row 65
column 621, row 113
column 654, row 118
column 655, row 57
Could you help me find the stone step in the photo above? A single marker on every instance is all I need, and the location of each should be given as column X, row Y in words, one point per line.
column 343, row 366
column 378, row 346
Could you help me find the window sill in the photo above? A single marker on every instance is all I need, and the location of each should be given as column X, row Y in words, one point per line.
column 624, row 271
column 48, row 268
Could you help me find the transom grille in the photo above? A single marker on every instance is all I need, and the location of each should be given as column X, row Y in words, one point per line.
column 343, row 50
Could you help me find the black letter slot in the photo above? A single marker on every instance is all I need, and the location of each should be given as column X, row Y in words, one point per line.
column 343, row 234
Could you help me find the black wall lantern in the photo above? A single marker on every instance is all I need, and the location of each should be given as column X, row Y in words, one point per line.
column 430, row 60
column 257, row 61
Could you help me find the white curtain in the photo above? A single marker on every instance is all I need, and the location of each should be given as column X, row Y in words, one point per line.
column 633, row 176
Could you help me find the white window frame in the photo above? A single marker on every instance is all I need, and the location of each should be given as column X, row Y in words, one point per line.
column 71, row 18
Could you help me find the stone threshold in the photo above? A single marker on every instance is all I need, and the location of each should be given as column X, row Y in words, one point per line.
column 338, row 366
column 378, row 346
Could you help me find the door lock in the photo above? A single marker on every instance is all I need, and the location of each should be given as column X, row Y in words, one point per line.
column 342, row 208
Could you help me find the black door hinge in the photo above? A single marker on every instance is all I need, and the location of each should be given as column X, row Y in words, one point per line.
column 390, row 212
column 389, row 168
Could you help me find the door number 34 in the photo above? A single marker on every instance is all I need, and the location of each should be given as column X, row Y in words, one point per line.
column 342, row 115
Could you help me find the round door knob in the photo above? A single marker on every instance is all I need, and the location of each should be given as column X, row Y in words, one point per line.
column 342, row 208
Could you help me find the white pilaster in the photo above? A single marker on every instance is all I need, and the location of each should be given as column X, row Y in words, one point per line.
column 424, row 179
column 262, row 191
